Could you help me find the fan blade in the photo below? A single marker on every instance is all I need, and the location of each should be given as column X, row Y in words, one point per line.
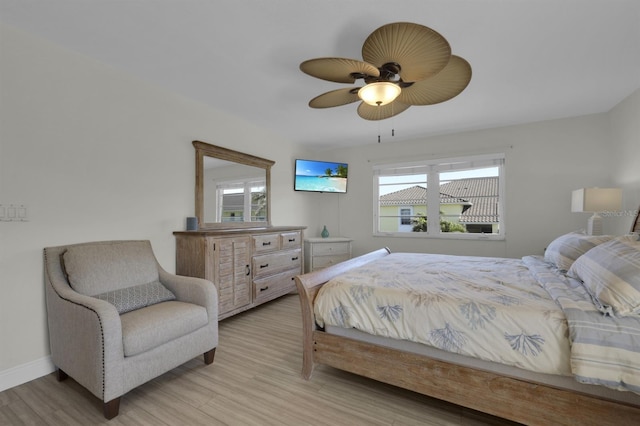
column 420, row 51
column 374, row 112
column 448, row 83
column 335, row 98
column 339, row 70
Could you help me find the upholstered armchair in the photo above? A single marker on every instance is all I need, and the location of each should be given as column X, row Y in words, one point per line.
column 117, row 319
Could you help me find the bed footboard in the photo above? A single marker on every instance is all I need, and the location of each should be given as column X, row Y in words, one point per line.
column 308, row 287
column 511, row 398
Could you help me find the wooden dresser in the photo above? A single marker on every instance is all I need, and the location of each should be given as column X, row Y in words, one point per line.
column 323, row 252
column 248, row 266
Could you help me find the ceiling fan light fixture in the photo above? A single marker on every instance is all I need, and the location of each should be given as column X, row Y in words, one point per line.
column 405, row 64
column 379, row 93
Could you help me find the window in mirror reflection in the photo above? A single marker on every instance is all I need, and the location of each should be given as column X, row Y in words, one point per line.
column 241, row 201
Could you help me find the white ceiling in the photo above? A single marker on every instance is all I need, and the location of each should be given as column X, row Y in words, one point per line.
column 532, row 60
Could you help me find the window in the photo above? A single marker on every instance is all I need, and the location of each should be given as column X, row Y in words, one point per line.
column 464, row 194
column 241, row 201
column 406, row 219
column 405, row 216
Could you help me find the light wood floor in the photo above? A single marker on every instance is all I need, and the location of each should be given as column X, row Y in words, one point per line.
column 254, row 380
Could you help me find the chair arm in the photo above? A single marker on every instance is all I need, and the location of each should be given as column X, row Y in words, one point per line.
column 192, row 290
column 86, row 339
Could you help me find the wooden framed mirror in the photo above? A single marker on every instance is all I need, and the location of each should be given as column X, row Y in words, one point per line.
column 233, row 189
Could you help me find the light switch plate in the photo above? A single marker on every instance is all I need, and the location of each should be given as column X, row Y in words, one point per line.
column 14, row 213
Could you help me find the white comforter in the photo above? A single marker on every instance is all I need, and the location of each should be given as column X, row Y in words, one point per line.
column 488, row 308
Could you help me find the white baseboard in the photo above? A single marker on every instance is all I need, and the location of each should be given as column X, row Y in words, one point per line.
column 25, row 373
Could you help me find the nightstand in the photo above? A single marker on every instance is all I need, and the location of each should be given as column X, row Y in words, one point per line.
column 322, row 252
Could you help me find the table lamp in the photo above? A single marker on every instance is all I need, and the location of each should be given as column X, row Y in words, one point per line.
column 596, row 200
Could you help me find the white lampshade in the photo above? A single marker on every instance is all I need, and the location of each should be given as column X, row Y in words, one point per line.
column 596, row 200
column 379, row 93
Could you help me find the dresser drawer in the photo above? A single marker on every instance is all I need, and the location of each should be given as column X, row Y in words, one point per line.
column 321, row 249
column 265, row 242
column 320, row 262
column 276, row 285
column 272, row 263
column 290, row 240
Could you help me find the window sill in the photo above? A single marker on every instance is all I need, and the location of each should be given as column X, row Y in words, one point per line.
column 450, row 236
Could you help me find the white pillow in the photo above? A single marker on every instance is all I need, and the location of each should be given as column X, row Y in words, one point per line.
column 611, row 274
column 564, row 250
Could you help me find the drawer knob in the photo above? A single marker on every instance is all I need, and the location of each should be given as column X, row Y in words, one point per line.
column 292, row 240
column 266, row 265
column 264, row 288
column 268, row 243
column 294, row 258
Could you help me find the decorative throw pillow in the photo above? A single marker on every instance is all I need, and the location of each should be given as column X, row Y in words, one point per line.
column 564, row 250
column 611, row 274
column 95, row 268
column 136, row 297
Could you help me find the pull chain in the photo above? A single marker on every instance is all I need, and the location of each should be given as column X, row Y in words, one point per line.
column 378, row 124
column 393, row 121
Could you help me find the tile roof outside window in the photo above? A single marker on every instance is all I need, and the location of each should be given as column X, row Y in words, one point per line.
column 480, row 193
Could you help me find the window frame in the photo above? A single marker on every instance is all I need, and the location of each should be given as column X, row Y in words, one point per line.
column 432, row 168
column 239, row 184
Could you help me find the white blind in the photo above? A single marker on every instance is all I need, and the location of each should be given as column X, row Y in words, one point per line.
column 399, row 170
column 426, row 166
column 240, row 184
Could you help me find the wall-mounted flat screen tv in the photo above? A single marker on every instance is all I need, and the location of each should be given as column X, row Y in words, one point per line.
column 321, row 176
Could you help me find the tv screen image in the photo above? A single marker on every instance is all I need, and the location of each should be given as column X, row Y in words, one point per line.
column 321, row 176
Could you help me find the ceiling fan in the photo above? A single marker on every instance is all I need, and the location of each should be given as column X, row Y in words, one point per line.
column 404, row 64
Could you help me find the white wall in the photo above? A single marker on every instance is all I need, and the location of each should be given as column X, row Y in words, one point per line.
column 96, row 154
column 625, row 145
column 545, row 161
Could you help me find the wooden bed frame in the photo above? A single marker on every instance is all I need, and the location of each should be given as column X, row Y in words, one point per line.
column 510, row 398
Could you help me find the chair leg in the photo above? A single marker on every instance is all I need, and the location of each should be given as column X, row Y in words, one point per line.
column 111, row 408
column 208, row 356
column 61, row 375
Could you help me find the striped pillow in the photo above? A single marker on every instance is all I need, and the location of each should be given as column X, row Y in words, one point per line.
column 564, row 250
column 611, row 274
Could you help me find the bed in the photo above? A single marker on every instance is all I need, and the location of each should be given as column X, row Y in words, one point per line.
column 570, row 379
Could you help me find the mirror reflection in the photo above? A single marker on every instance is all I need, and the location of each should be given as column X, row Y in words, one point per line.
column 232, row 188
column 233, row 192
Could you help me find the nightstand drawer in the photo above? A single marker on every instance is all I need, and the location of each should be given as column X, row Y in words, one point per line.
column 323, row 252
column 267, row 264
column 265, row 242
column 321, row 249
column 320, row 262
column 274, row 286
